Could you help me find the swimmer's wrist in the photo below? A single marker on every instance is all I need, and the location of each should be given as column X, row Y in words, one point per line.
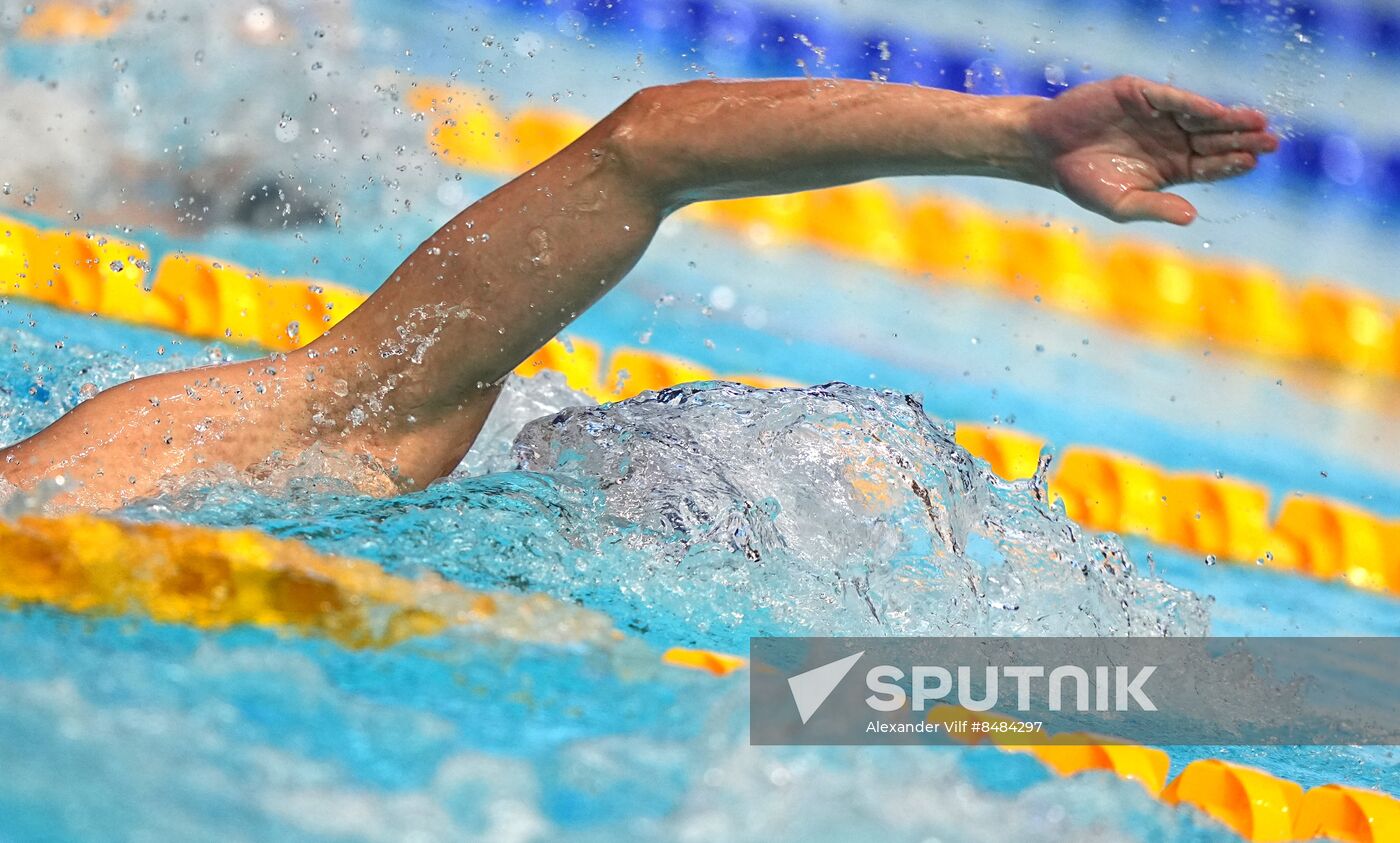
column 1020, row 155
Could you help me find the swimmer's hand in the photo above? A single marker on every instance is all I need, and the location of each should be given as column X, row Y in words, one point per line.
column 1114, row 146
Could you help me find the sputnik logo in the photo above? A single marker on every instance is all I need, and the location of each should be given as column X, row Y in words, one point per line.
column 810, row 689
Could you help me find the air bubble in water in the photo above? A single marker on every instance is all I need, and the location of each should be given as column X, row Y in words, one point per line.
column 722, row 298
column 287, row 130
column 571, row 23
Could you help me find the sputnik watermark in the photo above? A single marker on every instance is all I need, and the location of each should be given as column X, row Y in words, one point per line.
column 1112, row 688
column 1123, row 685
column 1199, row 691
column 811, row 688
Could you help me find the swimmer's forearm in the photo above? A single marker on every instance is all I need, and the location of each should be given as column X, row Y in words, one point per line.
column 508, row 273
column 712, row 140
column 522, row 263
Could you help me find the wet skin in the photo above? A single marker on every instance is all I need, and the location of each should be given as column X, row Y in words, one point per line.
column 403, row 384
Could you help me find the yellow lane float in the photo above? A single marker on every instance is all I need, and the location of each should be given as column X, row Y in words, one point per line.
column 1065, row 754
column 720, row 664
column 1254, row 804
column 67, row 20
column 219, row 300
column 1348, row 814
column 217, row 579
column 1070, row 754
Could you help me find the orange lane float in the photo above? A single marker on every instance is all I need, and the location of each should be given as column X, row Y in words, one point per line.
column 1070, row 754
column 1228, row 519
column 1348, row 814
column 1254, row 804
column 62, row 20
column 1131, row 285
column 197, row 296
column 215, row 579
column 720, row 664
column 578, row 360
column 1331, row 539
column 1010, row 453
column 218, row 300
column 82, row 272
column 1065, row 754
column 634, row 371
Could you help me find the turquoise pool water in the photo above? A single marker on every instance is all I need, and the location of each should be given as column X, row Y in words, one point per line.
column 114, row 726
column 129, row 729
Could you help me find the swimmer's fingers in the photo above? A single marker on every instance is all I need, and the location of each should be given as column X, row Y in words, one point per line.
column 1148, row 205
column 1222, row 166
column 1218, row 143
column 1195, row 113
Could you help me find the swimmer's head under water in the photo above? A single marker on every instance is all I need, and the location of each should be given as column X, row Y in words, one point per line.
column 404, row 383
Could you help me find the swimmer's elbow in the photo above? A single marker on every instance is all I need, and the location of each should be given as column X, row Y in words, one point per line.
column 646, row 135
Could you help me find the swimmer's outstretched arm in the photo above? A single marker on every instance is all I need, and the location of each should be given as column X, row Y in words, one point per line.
column 408, row 378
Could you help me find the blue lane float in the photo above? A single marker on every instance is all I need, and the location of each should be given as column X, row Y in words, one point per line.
column 732, row 36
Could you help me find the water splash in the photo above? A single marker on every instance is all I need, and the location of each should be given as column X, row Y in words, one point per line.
column 520, row 401
column 839, row 510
